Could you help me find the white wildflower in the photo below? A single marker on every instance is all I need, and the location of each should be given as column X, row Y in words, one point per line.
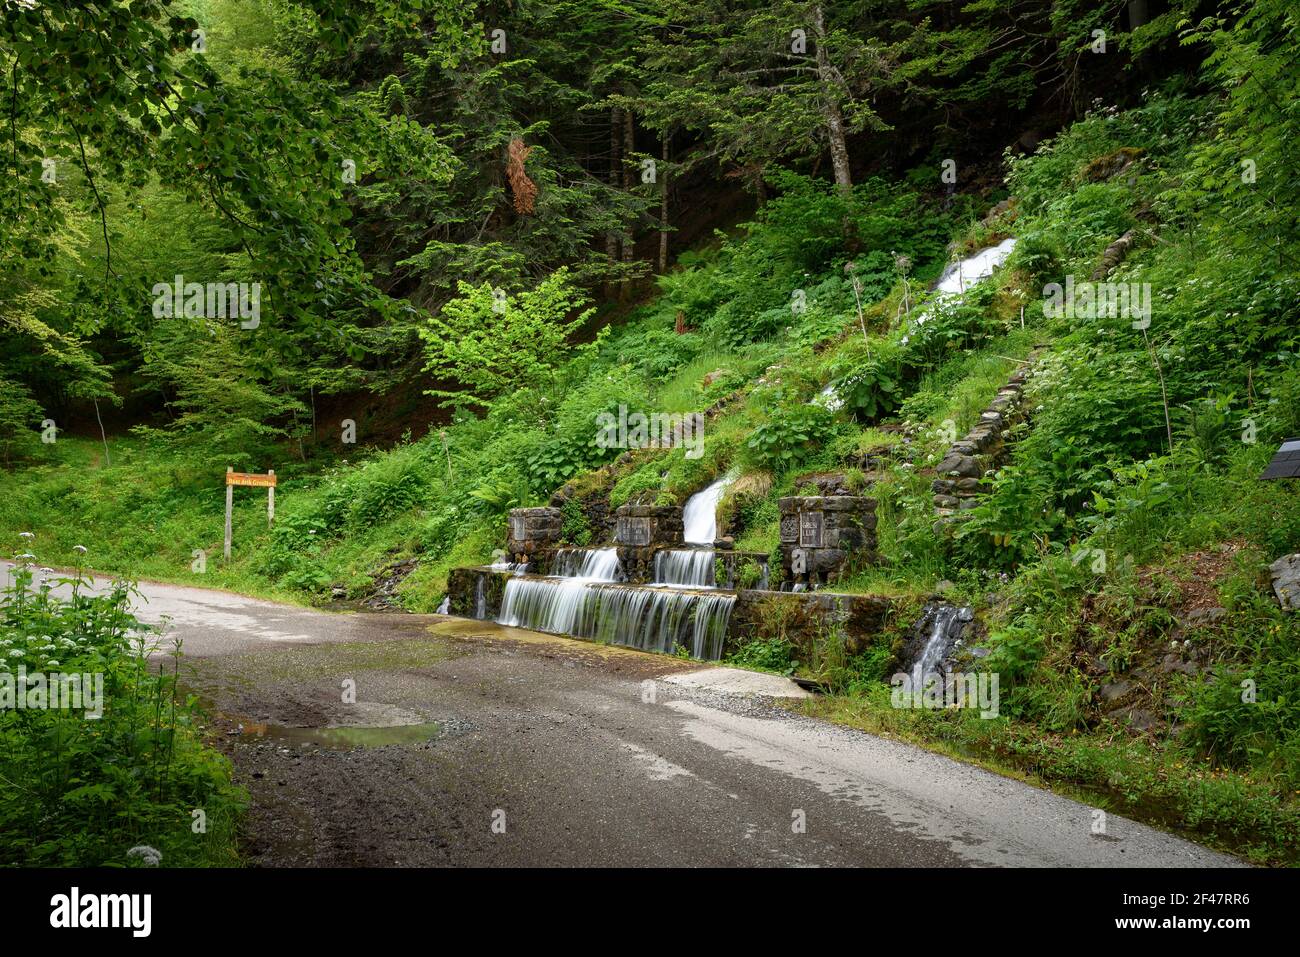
column 149, row 856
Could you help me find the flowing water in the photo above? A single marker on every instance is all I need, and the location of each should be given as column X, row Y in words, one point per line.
column 960, row 276
column 694, row 567
column 480, row 598
column 946, row 623
column 554, row 604
column 585, row 600
column 700, row 516
column 589, row 564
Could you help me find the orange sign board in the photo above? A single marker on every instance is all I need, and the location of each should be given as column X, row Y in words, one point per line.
column 251, row 478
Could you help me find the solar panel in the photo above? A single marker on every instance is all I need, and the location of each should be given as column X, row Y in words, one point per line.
column 1286, row 463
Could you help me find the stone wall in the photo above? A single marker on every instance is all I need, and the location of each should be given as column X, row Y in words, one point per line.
column 805, row 618
column 961, row 477
column 641, row 526
column 533, row 530
column 819, row 533
column 801, row 618
column 640, row 530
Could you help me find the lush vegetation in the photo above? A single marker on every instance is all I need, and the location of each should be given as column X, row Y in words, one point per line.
column 498, row 275
column 109, row 771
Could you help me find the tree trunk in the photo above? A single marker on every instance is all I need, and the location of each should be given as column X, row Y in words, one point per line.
column 1137, row 14
column 629, row 178
column 615, row 138
column 831, row 106
column 663, row 206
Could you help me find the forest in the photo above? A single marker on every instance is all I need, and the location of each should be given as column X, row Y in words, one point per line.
column 415, row 255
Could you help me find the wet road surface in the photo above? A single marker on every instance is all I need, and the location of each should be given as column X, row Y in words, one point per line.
column 422, row 740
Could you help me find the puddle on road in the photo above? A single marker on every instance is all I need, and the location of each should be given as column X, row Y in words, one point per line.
column 343, row 739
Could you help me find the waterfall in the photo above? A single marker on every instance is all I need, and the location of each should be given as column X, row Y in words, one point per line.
column 659, row 619
column 445, row 607
column 700, row 516
column 584, row 601
column 960, row 276
column 648, row 618
column 686, row 566
column 546, row 604
column 480, row 597
column 591, row 564
column 553, row 604
column 584, row 598
column 946, row 623
column 517, row 568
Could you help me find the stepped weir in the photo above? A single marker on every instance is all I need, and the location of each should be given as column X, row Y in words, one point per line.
column 667, row 583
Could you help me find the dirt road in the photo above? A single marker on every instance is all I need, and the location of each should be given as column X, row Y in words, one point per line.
column 472, row 744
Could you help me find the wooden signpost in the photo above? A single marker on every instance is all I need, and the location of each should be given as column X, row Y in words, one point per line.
column 255, row 480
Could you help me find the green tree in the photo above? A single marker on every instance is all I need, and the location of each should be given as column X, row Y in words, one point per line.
column 492, row 343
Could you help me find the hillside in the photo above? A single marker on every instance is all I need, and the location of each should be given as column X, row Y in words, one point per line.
column 1114, row 553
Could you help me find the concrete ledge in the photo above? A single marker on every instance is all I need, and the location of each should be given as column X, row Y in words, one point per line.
column 738, row 681
column 803, row 617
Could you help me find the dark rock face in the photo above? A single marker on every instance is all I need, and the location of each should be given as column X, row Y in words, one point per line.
column 1285, row 573
column 476, row 592
column 956, row 464
column 955, row 625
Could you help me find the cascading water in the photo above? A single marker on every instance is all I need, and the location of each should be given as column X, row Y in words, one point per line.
column 945, row 625
column 658, row 619
column 516, row 568
column 695, row 567
column 553, row 604
column 590, row 564
column 960, row 276
column 700, row 516
column 583, row 599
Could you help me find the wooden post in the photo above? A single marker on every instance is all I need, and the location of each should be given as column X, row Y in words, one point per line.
column 230, row 505
column 253, row 480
